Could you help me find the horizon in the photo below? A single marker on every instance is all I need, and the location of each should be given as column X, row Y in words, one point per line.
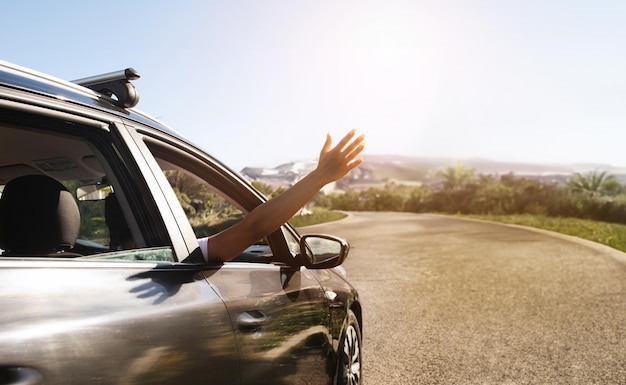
column 582, row 167
column 263, row 82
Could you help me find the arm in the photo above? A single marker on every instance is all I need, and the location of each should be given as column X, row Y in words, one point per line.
column 333, row 164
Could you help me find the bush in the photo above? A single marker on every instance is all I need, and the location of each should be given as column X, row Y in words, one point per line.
column 463, row 193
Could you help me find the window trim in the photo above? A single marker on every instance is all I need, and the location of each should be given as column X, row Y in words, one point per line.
column 155, row 185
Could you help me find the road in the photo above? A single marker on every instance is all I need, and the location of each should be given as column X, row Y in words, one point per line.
column 455, row 301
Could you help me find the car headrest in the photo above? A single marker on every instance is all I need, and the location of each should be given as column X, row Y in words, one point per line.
column 37, row 215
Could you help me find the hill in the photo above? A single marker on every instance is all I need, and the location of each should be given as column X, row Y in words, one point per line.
column 381, row 169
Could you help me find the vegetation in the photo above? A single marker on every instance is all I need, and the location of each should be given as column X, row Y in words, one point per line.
column 207, row 211
column 591, row 206
column 318, row 215
column 457, row 190
column 610, row 234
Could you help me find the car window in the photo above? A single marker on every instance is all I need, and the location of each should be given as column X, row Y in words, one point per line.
column 211, row 199
column 208, row 211
column 89, row 164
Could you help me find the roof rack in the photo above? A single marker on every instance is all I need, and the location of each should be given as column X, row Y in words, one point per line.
column 115, row 83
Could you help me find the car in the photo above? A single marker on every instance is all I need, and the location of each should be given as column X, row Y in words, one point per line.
column 102, row 280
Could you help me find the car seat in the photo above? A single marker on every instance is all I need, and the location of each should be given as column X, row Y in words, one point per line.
column 38, row 216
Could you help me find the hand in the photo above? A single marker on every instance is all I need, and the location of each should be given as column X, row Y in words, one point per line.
column 335, row 163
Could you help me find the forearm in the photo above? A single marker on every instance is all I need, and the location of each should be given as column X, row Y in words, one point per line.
column 270, row 215
column 264, row 219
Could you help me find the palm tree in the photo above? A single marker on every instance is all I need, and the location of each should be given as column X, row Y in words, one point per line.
column 457, row 176
column 594, row 183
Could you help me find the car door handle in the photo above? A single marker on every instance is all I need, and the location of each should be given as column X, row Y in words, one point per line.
column 251, row 320
column 20, row 376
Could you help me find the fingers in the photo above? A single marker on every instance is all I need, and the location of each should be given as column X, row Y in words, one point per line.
column 356, row 146
column 347, row 144
column 352, row 150
column 343, row 157
column 354, row 164
column 351, row 158
column 346, row 139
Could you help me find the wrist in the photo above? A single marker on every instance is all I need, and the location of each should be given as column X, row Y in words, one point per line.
column 318, row 178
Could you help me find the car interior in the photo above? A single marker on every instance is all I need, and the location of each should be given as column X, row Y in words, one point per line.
column 103, row 228
column 38, row 172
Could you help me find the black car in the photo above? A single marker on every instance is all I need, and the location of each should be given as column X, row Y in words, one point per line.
column 101, row 277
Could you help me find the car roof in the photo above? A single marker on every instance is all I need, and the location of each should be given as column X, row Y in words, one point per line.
column 21, row 78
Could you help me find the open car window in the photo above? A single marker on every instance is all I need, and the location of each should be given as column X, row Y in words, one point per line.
column 110, row 225
column 210, row 201
column 208, row 211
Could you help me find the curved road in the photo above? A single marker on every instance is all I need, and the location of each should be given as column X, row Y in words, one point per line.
column 455, row 301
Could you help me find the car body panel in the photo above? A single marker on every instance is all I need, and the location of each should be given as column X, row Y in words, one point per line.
column 90, row 322
column 280, row 318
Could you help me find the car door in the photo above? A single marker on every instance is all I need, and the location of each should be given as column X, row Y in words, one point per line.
column 280, row 319
column 96, row 315
column 94, row 322
column 277, row 308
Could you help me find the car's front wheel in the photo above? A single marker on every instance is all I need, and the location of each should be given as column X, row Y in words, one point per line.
column 349, row 363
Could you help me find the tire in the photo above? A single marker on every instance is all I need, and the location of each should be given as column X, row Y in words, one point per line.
column 349, row 369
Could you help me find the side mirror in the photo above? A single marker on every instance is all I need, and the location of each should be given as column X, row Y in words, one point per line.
column 319, row 251
column 93, row 192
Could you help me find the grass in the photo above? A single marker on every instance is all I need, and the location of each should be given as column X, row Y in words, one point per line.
column 318, row 215
column 610, row 234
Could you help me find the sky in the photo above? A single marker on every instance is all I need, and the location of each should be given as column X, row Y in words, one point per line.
column 260, row 82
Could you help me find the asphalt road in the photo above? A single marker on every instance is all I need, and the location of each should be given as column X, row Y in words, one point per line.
column 454, row 301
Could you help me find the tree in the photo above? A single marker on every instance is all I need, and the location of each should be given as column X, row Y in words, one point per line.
column 417, row 200
column 389, row 198
column 263, row 188
column 349, row 201
column 456, row 177
column 595, row 184
column 459, row 188
column 493, row 197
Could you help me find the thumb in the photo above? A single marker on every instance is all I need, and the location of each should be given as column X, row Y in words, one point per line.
column 328, row 143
